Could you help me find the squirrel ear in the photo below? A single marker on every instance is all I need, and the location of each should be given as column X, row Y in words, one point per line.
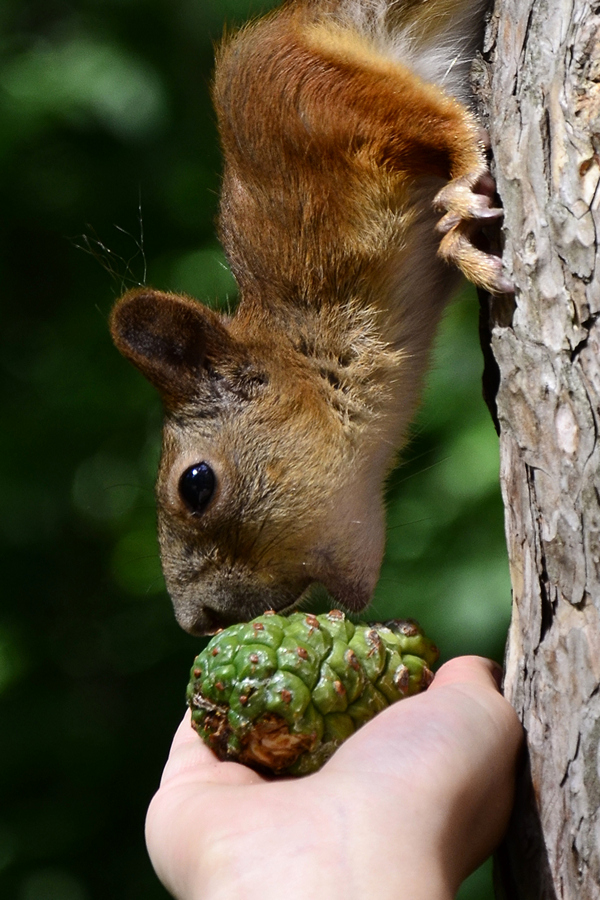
column 170, row 339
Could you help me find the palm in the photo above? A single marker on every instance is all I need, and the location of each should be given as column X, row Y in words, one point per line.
column 410, row 781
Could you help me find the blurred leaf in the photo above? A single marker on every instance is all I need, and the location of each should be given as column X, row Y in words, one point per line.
column 52, row 884
column 83, row 77
column 471, row 470
column 204, row 274
column 13, row 660
column 136, row 565
column 8, row 845
column 105, row 488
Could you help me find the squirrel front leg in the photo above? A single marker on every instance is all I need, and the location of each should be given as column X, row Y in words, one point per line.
column 467, row 204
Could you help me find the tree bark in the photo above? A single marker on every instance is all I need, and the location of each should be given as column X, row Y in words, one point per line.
column 544, row 123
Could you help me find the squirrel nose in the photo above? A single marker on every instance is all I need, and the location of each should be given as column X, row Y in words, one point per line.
column 207, row 621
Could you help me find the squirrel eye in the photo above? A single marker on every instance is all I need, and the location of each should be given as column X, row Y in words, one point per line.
column 196, row 487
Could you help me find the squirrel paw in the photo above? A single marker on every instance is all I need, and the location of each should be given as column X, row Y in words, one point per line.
column 467, row 209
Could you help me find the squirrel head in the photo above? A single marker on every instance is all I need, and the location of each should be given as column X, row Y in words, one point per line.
column 262, row 488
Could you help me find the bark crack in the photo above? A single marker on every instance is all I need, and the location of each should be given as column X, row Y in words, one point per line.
column 547, row 607
column 588, row 324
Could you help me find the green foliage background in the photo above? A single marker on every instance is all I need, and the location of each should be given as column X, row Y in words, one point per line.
column 108, row 154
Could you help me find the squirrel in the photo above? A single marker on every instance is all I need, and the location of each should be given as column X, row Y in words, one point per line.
column 346, row 133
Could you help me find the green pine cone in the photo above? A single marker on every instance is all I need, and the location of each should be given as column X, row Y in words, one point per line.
column 280, row 694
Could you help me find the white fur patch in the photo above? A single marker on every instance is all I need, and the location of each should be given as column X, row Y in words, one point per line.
column 439, row 52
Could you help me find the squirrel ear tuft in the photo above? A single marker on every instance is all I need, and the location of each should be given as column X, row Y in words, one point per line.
column 172, row 340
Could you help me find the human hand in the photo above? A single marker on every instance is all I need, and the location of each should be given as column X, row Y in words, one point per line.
column 408, row 806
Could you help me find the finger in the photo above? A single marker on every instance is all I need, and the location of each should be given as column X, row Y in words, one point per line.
column 193, row 781
column 476, row 670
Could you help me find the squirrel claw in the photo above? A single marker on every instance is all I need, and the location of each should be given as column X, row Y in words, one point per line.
column 467, row 204
column 462, row 199
column 483, row 269
column 452, row 218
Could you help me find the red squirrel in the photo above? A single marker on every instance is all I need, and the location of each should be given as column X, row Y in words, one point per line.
column 346, row 133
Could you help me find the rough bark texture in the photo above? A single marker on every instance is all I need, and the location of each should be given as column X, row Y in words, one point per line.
column 544, row 121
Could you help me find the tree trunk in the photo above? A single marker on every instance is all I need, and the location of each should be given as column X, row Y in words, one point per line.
column 544, row 123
